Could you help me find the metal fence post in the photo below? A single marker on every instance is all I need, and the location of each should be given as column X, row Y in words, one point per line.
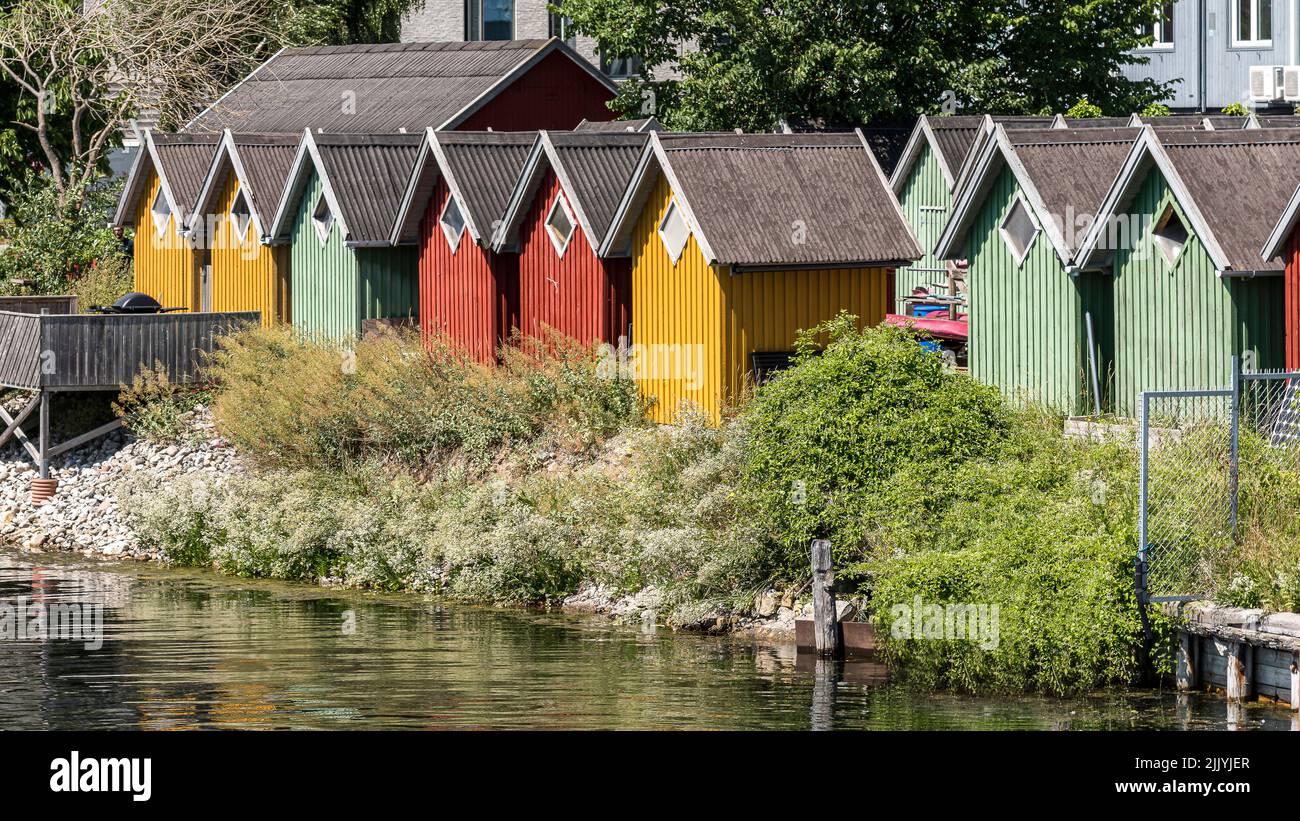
column 1142, row 501
column 1234, row 454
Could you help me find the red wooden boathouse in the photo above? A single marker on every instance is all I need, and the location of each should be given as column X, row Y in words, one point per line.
column 459, row 187
column 556, row 218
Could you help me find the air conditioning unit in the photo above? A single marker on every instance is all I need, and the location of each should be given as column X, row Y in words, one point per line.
column 1266, row 83
column 1291, row 84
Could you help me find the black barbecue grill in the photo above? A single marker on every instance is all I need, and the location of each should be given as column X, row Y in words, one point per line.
column 133, row 303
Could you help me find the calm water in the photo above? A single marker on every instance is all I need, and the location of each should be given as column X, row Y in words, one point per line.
column 187, row 650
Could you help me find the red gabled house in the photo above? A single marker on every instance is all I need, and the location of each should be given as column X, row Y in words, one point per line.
column 459, row 187
column 556, row 219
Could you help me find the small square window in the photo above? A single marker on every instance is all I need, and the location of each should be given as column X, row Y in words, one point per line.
column 452, row 222
column 1169, row 234
column 560, row 224
column 240, row 215
column 323, row 219
column 161, row 212
column 673, row 231
column 1019, row 229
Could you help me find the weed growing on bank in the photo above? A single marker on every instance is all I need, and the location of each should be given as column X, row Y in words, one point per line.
column 418, row 470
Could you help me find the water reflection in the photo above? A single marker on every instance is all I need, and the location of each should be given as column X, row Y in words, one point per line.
column 185, row 650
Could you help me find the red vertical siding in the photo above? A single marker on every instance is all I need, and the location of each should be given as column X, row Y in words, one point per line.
column 469, row 296
column 579, row 294
column 554, row 94
column 1292, row 298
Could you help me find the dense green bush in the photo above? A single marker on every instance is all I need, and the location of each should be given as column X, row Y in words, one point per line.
column 828, row 434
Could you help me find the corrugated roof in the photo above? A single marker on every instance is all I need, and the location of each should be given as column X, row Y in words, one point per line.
column 267, row 159
column 597, row 170
column 185, row 159
column 1278, row 121
column 1097, row 122
column 392, row 86
column 368, row 175
column 1227, row 123
column 485, row 166
column 635, row 126
column 1240, row 181
column 788, row 199
column 1072, row 170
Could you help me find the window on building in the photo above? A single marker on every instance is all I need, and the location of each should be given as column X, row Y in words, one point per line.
column 1161, row 28
column 240, row 215
column 621, row 67
column 560, row 224
column 673, row 232
column 452, row 222
column 160, row 212
column 323, row 219
column 1169, row 234
column 1252, row 24
column 1019, row 229
column 562, row 27
column 489, row 19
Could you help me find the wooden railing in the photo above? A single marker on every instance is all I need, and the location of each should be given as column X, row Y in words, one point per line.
column 105, row 352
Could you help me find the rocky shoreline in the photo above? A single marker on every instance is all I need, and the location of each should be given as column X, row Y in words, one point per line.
column 85, row 516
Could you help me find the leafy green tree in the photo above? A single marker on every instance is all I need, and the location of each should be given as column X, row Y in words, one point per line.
column 753, row 62
column 1084, row 109
column 339, row 22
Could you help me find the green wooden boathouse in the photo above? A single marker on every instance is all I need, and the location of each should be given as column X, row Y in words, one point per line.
column 337, row 214
column 1190, row 289
column 1019, row 221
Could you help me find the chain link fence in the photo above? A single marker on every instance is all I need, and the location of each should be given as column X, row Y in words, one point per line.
column 1205, row 454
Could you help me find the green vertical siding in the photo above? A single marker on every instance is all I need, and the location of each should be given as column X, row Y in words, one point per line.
column 389, row 285
column 1027, row 334
column 926, row 204
column 335, row 288
column 1178, row 326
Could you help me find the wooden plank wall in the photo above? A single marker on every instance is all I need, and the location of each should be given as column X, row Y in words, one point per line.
column 39, row 304
column 102, row 352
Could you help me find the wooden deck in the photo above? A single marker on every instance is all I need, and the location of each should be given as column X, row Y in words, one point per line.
column 93, row 352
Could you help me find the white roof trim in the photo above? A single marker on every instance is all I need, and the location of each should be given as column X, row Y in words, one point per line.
column 408, row 194
column 293, row 189
column 515, row 210
column 1148, row 147
column 623, row 212
column 912, row 152
column 884, row 183
column 232, row 89
column 1275, row 246
column 226, row 148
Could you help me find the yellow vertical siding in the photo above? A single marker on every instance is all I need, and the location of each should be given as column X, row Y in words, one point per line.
column 246, row 275
column 166, row 265
column 695, row 325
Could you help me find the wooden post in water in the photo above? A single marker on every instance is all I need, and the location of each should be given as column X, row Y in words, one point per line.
column 1295, row 681
column 1185, row 672
column 1239, row 671
column 825, row 625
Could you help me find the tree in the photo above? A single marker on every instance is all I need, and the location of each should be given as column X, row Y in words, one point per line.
column 81, row 73
column 753, row 62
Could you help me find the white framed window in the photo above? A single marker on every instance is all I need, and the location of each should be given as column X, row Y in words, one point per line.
column 1161, row 28
column 161, row 212
column 452, row 223
column 1018, row 229
column 1252, row 22
column 489, row 20
column 322, row 218
column 560, row 224
column 673, row 231
column 241, row 215
column 1169, row 234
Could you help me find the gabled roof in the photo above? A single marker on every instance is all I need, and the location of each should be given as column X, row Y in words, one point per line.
column 393, row 87
column 260, row 162
column 593, row 170
column 635, row 126
column 1098, row 122
column 481, row 169
column 746, row 197
column 363, row 178
column 952, row 140
column 181, row 162
column 1231, row 185
column 1063, row 173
